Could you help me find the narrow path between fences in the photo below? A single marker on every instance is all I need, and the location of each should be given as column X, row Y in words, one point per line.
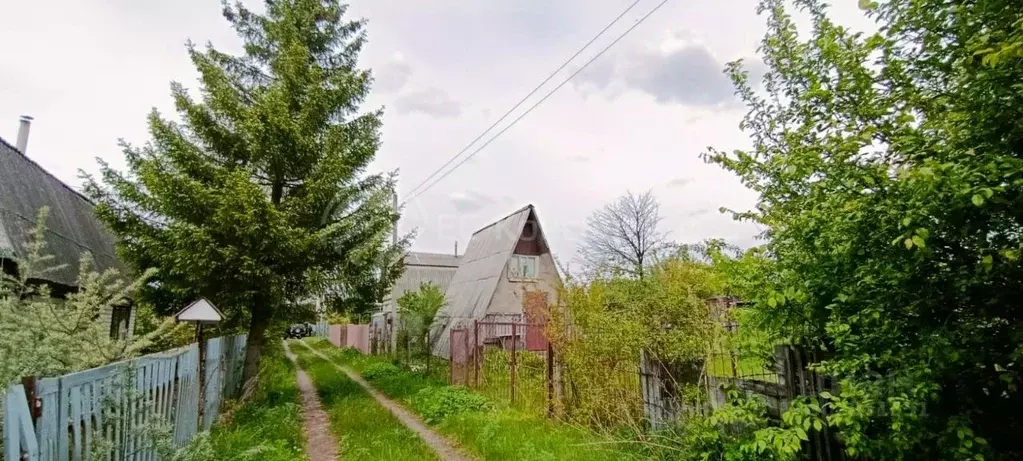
column 440, row 444
column 320, row 443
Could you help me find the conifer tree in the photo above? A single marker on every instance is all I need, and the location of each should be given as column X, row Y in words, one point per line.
column 259, row 197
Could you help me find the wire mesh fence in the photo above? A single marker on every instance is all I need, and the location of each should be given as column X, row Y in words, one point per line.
column 506, row 358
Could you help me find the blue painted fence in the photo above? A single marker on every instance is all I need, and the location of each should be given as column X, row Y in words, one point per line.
column 110, row 405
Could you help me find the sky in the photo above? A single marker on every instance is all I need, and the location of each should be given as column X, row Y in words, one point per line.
column 636, row 119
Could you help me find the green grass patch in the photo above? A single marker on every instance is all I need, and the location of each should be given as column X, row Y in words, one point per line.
column 366, row 430
column 268, row 426
column 488, row 431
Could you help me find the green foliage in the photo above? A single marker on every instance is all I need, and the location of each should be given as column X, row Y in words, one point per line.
column 435, row 404
column 259, row 196
column 891, row 182
column 148, row 321
column 740, row 431
column 492, row 433
column 267, row 427
column 600, row 328
column 380, row 370
column 418, row 309
column 44, row 336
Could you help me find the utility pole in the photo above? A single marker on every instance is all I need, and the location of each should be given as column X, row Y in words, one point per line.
column 394, row 232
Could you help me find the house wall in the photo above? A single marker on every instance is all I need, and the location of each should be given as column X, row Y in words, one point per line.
column 508, row 295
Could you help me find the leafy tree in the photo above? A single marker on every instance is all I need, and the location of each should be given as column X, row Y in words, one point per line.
column 891, row 181
column 259, row 198
column 45, row 336
column 622, row 237
column 418, row 310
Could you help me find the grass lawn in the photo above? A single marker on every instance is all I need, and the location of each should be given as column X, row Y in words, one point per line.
column 501, row 432
column 366, row 430
column 268, row 426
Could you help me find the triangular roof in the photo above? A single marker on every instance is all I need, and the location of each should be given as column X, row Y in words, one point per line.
column 71, row 227
column 473, row 286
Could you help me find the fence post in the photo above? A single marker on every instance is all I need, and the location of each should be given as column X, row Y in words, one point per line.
column 515, row 341
column 35, row 406
column 550, row 379
column 475, row 353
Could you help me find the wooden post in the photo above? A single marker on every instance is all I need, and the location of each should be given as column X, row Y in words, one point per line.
column 550, row 379
column 35, row 405
column 202, row 370
column 475, row 353
column 465, row 343
column 515, row 341
column 451, row 357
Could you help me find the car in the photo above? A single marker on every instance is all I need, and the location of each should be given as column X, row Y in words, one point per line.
column 298, row 331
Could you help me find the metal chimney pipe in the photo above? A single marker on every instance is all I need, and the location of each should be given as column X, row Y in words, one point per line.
column 456, row 247
column 26, row 124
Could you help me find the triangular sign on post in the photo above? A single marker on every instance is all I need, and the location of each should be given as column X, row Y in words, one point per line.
column 200, row 310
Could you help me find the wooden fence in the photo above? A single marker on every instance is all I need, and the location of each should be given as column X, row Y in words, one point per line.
column 64, row 418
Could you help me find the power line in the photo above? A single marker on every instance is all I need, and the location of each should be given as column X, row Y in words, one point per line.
column 531, row 93
column 534, row 106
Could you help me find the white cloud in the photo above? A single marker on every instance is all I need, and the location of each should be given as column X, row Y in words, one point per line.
column 392, row 76
column 430, row 101
column 568, row 157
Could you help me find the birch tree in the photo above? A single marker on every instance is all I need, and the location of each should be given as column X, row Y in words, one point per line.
column 622, row 237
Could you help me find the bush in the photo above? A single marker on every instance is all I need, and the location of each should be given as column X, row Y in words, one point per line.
column 437, row 403
column 380, row 370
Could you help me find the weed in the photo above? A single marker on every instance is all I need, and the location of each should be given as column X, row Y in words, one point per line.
column 268, row 427
column 437, row 403
column 379, row 370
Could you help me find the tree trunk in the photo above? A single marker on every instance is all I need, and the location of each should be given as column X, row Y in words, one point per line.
column 254, row 345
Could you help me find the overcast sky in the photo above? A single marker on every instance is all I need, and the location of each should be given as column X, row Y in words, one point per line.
column 637, row 119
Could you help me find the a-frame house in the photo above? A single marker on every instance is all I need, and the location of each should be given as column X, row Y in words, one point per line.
column 502, row 261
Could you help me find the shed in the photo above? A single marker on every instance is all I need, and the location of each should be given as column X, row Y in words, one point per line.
column 420, row 268
column 502, row 260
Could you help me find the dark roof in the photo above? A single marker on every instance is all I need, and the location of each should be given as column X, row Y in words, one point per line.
column 72, row 228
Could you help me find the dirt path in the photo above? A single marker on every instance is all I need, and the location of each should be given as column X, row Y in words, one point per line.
column 444, row 448
column 320, row 444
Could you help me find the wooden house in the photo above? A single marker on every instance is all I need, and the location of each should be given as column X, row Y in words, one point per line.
column 502, row 262
column 71, row 227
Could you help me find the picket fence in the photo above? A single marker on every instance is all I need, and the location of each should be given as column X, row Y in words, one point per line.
column 114, row 403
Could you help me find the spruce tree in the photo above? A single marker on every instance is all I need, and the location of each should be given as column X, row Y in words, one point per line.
column 259, row 196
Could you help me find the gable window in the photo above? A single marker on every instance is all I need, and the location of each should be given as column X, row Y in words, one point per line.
column 523, row 267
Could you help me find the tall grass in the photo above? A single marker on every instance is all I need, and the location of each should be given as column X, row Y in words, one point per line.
column 366, row 430
column 267, row 427
column 500, row 432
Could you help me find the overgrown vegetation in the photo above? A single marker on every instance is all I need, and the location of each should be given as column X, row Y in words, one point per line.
column 600, row 328
column 45, row 336
column 891, row 183
column 438, row 403
column 366, row 430
column 489, row 432
column 266, row 427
